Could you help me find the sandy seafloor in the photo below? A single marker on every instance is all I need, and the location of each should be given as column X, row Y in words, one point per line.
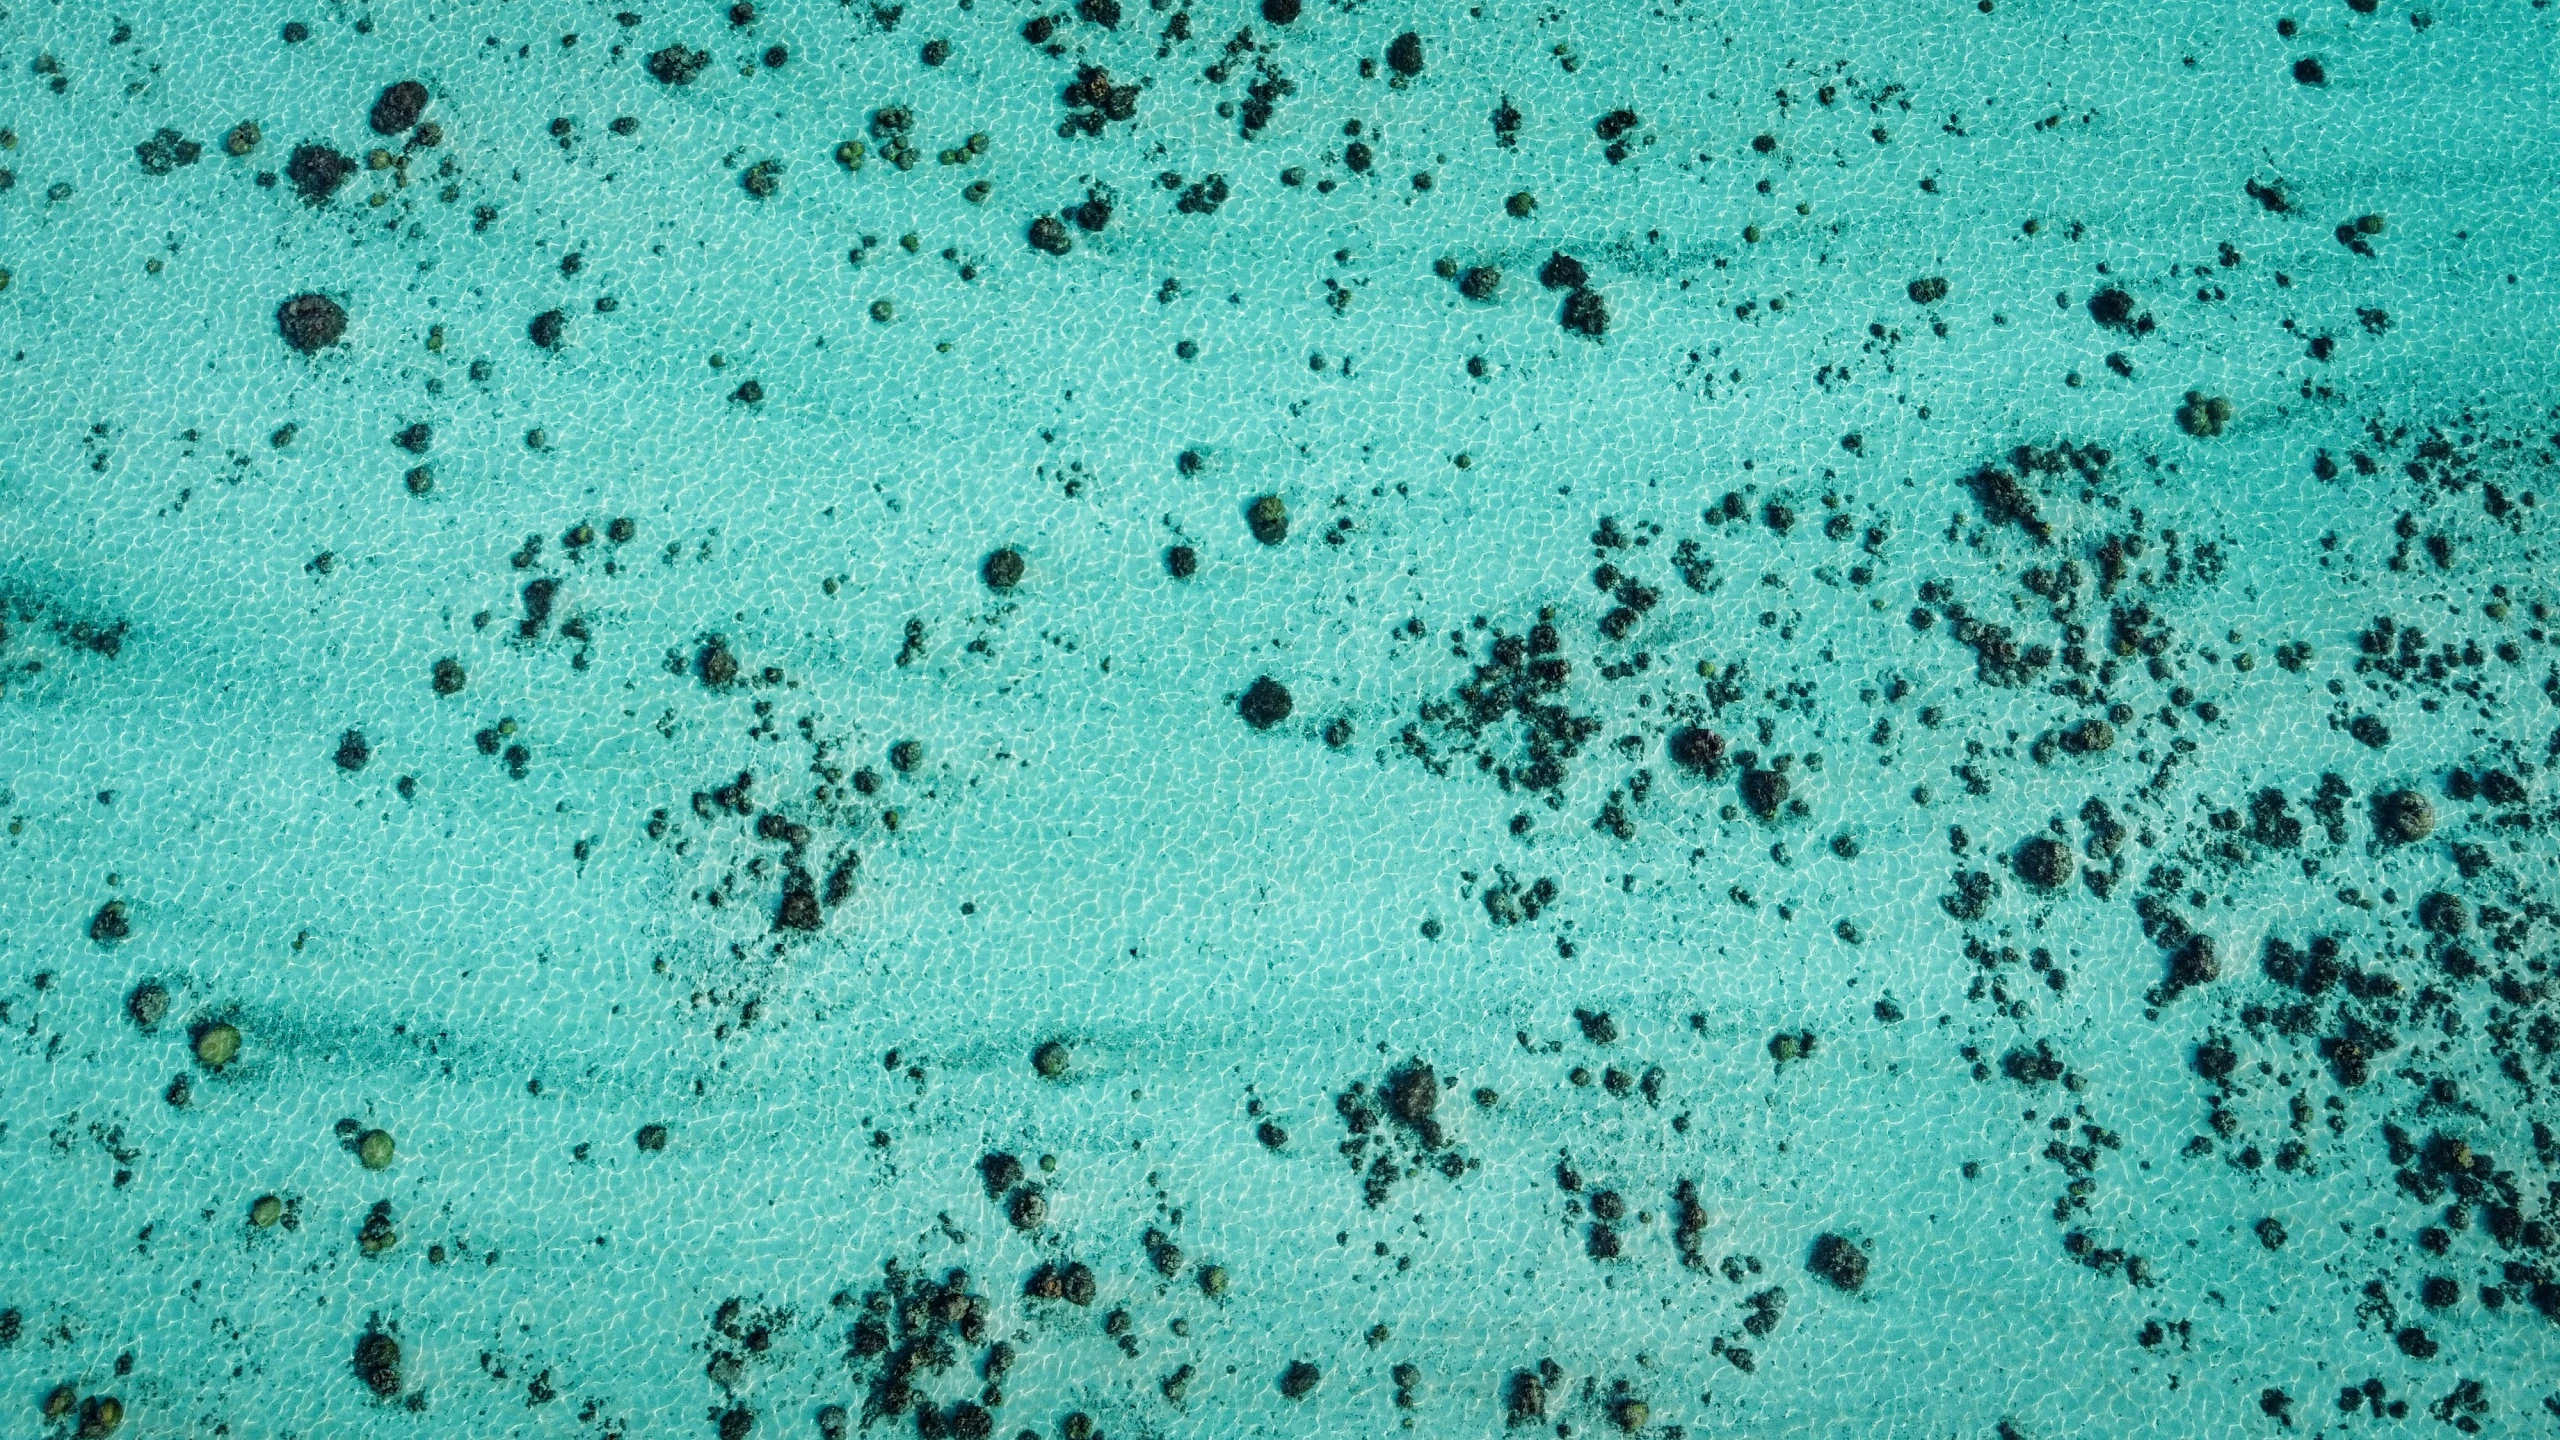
column 512, row 965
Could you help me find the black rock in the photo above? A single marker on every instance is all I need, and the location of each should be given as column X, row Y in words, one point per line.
column 1586, row 314
column 378, row 1363
column 1268, row 518
column 2404, row 817
column 1928, row 290
column 399, row 107
column 1697, row 748
column 1839, row 1261
column 353, row 751
column 800, row 910
column 1265, row 703
column 547, row 329
column 1280, row 12
column 1404, row 54
column 147, row 1003
column 677, row 65
column 717, row 665
column 1764, row 791
column 311, row 323
column 2111, row 307
column 317, row 171
column 2045, row 862
column 1413, row 1093
column 1003, row 569
column 1049, row 236
column 1563, row 272
column 2443, row 914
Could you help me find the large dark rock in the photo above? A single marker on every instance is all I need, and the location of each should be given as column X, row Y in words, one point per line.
column 1839, row 1261
column 1265, row 703
column 399, row 107
column 311, row 323
column 317, row 171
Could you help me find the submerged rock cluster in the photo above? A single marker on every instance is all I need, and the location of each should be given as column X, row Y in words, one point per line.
column 1280, row 719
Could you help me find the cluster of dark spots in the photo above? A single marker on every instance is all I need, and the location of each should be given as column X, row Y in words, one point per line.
column 1521, row 683
column 1585, row 313
column 1612, row 129
column 1389, row 1148
column 2044, row 861
column 1093, row 213
column 2204, row 416
column 1072, row 1282
column 716, row 663
column 2358, row 235
column 1093, row 99
column 1202, row 196
column 1509, row 902
column 677, row 65
column 1789, row 1046
column 1525, row 1396
column 541, row 597
column 165, row 151
column 1971, row 896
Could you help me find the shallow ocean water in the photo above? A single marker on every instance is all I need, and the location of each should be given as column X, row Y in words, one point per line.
column 2275, row 523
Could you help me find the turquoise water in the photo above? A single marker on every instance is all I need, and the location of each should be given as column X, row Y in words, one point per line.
column 1925, row 818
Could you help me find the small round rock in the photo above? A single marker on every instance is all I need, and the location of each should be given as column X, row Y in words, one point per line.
column 148, row 1002
column 217, row 1045
column 1268, row 518
column 375, row 1150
